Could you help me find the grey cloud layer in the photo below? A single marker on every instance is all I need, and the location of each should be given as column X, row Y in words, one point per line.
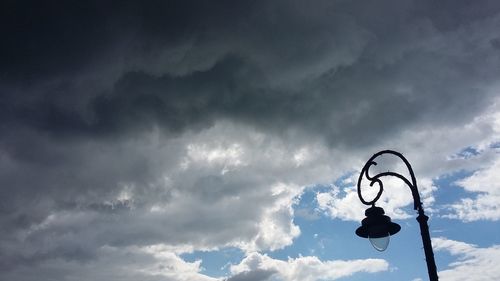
column 327, row 68
column 99, row 102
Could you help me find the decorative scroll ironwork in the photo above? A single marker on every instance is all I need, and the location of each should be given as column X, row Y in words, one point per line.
column 376, row 179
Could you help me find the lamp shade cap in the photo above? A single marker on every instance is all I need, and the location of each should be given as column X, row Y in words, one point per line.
column 376, row 224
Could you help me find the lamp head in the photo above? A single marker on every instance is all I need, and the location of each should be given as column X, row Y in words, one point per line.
column 377, row 227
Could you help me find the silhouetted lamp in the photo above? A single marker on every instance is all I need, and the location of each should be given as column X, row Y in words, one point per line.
column 378, row 227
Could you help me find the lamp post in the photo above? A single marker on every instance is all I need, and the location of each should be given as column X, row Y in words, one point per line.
column 378, row 227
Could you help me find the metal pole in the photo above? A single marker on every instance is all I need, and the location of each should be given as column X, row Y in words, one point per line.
column 426, row 240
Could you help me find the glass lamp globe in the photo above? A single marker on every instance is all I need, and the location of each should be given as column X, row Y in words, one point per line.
column 381, row 243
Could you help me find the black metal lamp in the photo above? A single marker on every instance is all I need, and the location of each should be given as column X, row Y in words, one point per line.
column 377, row 227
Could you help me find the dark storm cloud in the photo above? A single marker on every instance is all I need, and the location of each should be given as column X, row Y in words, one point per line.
column 82, row 83
column 57, row 37
column 186, row 64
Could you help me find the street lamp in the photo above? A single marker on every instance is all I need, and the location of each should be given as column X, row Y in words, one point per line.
column 377, row 227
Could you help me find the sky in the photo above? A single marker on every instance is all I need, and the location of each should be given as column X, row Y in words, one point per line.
column 222, row 140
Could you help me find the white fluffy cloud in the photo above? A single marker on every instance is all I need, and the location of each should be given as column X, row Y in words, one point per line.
column 485, row 184
column 308, row 268
column 473, row 263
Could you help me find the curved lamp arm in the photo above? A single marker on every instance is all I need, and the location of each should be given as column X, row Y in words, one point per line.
column 417, row 205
